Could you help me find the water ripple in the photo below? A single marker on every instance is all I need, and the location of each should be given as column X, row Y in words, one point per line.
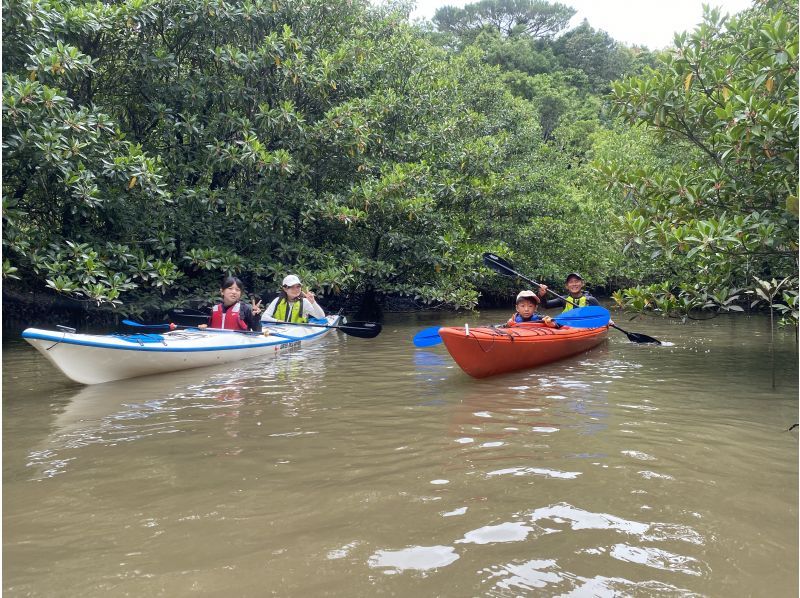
column 658, row 559
column 539, row 574
column 580, row 519
column 416, row 558
column 490, row 534
column 549, row 473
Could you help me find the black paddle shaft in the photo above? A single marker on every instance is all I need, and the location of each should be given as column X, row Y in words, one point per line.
column 498, row 264
column 357, row 329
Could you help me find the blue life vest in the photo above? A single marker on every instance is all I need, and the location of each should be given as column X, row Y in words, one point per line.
column 533, row 318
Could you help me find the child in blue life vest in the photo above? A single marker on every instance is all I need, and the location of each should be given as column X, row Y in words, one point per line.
column 576, row 296
column 292, row 304
column 527, row 303
column 231, row 313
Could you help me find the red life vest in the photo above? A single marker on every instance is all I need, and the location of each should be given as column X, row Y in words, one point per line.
column 227, row 319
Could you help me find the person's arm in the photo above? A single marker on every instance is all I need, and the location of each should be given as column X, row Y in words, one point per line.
column 313, row 309
column 254, row 321
column 249, row 317
column 208, row 322
column 550, row 322
column 551, row 303
column 268, row 314
column 591, row 300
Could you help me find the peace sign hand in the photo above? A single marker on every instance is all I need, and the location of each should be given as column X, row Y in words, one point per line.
column 256, row 306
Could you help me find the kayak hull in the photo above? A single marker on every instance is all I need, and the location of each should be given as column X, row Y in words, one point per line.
column 99, row 358
column 488, row 351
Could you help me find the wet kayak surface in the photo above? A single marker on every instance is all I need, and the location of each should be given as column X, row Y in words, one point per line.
column 371, row 467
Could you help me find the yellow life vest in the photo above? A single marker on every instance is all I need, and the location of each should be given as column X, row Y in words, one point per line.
column 570, row 303
column 295, row 311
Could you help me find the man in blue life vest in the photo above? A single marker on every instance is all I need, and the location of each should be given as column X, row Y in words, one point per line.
column 576, row 297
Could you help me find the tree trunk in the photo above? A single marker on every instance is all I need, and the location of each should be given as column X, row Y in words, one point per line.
column 371, row 308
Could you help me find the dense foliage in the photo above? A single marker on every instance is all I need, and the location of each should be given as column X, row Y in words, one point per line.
column 149, row 148
column 156, row 146
column 717, row 217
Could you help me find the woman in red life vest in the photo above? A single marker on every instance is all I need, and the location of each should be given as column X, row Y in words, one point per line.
column 527, row 303
column 292, row 304
column 233, row 314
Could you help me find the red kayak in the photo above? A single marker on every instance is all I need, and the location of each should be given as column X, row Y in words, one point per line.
column 486, row 350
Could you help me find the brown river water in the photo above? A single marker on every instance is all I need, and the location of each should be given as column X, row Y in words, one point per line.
column 361, row 467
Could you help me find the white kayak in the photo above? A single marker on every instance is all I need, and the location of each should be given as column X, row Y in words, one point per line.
column 98, row 358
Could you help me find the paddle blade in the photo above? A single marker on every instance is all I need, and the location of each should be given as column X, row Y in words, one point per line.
column 498, row 264
column 427, row 337
column 591, row 316
column 643, row 338
column 361, row 329
column 636, row 337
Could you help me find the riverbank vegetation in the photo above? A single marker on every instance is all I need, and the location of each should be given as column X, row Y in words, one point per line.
column 149, row 148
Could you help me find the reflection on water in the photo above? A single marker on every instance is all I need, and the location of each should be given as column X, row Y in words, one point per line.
column 417, row 558
column 553, row 520
column 131, row 410
column 362, row 468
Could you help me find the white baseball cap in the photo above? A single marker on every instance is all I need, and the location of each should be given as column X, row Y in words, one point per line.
column 290, row 281
column 528, row 295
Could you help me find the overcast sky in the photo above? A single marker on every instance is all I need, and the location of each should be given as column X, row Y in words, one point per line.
column 650, row 23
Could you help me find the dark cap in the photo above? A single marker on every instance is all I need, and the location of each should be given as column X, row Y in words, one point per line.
column 574, row 275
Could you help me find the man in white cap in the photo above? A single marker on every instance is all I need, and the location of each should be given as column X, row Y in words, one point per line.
column 292, row 304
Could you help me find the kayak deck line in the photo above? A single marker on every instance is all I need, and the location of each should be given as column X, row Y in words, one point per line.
column 158, row 349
